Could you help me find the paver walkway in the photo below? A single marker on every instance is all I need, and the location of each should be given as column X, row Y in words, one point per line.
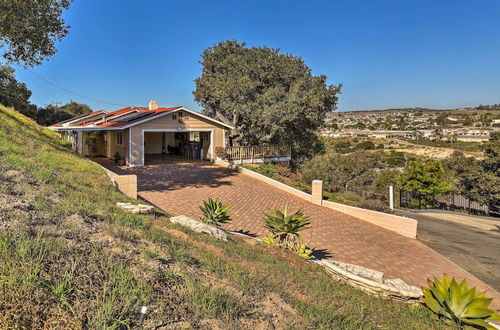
column 180, row 186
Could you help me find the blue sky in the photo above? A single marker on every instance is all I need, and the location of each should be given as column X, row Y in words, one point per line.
column 400, row 53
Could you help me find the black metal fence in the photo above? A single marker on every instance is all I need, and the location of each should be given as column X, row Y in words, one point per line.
column 451, row 201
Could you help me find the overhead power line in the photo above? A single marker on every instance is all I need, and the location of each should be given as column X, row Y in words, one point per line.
column 45, row 78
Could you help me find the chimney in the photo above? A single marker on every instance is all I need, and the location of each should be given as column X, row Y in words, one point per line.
column 153, row 105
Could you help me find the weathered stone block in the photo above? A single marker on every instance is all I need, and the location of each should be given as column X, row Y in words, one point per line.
column 199, row 227
column 136, row 209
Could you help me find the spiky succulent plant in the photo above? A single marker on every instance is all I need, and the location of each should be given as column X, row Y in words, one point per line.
column 458, row 302
column 304, row 251
column 285, row 227
column 269, row 239
column 214, row 213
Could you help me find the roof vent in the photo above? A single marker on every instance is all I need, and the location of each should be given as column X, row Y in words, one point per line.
column 153, row 105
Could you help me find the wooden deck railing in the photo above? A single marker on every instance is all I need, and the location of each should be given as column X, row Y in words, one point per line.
column 257, row 152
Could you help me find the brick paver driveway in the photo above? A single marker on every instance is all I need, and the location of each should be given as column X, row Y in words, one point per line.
column 180, row 186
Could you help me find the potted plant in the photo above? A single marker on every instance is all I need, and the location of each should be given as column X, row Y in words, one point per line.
column 118, row 159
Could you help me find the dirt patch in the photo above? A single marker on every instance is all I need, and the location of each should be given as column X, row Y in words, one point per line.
column 279, row 313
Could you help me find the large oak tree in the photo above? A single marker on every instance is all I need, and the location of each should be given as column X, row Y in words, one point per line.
column 266, row 95
column 29, row 29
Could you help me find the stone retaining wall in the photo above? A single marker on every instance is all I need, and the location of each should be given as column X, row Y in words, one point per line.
column 127, row 184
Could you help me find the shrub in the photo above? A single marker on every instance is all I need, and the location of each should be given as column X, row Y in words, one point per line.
column 92, row 142
column 117, row 157
column 342, row 171
column 267, row 169
column 387, row 177
column 214, row 213
column 342, row 144
column 396, row 158
column 457, row 302
column 381, row 146
column 284, row 170
column 374, row 204
column 285, row 228
column 365, row 145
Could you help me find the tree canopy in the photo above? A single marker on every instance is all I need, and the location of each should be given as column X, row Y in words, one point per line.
column 355, row 171
column 266, row 95
column 425, row 178
column 52, row 114
column 30, row 29
column 479, row 180
column 15, row 94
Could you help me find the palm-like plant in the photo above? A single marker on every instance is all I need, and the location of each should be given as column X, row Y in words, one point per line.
column 214, row 213
column 285, row 228
column 458, row 302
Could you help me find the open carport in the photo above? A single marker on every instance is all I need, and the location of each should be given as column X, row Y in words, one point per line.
column 162, row 144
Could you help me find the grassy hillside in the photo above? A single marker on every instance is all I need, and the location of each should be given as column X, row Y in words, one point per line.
column 69, row 258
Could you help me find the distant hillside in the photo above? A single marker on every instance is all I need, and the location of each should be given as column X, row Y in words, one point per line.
column 494, row 108
column 393, row 110
column 71, row 259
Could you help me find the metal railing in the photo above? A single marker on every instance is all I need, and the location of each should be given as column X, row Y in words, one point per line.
column 450, row 201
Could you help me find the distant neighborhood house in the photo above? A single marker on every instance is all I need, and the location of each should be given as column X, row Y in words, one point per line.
column 462, row 134
column 135, row 133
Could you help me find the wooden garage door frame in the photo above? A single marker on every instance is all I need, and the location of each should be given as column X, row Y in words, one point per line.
column 183, row 130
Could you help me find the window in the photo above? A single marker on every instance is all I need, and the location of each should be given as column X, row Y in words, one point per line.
column 194, row 136
column 180, row 121
column 174, row 117
column 119, row 138
column 181, row 114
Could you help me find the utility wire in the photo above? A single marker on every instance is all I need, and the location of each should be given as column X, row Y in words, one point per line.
column 42, row 95
column 25, row 81
column 41, row 87
column 45, row 78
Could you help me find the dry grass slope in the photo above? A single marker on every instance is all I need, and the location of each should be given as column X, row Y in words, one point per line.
column 71, row 259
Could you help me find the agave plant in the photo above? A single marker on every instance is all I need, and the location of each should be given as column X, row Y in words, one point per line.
column 214, row 213
column 303, row 250
column 269, row 239
column 285, row 228
column 458, row 302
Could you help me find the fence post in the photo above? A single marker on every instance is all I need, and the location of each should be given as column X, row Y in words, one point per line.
column 241, row 155
column 317, row 192
column 391, row 197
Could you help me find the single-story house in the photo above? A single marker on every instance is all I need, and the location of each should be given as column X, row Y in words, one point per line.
column 136, row 132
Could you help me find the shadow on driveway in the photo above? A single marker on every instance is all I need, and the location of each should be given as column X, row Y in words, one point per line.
column 173, row 173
